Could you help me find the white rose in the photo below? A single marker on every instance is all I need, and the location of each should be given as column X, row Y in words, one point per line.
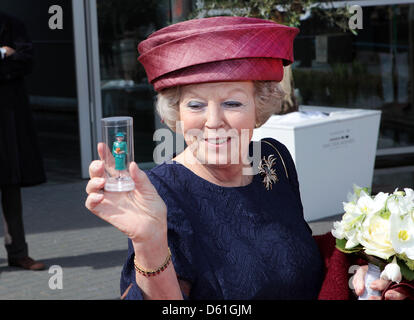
column 375, row 236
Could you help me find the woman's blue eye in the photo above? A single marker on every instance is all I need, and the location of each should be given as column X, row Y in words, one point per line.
column 195, row 105
column 232, row 104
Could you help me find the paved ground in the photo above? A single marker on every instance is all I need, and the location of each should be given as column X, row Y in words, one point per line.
column 61, row 231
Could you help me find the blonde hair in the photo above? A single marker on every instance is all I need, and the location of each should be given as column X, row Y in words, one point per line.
column 268, row 100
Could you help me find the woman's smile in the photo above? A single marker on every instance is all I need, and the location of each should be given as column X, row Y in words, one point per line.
column 217, row 142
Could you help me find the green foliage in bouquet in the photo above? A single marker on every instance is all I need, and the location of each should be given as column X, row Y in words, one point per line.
column 406, row 266
column 340, row 245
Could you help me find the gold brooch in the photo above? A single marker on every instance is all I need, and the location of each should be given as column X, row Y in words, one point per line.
column 265, row 168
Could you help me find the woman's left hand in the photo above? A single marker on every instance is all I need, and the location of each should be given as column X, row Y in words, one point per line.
column 379, row 284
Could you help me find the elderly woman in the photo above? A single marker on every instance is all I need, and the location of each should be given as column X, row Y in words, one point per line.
column 206, row 225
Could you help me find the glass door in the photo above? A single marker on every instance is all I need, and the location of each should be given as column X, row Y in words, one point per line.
column 124, row 88
column 372, row 70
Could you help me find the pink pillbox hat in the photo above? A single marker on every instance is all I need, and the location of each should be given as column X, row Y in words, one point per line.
column 217, row 49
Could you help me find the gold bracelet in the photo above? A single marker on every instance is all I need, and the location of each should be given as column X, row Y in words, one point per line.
column 149, row 273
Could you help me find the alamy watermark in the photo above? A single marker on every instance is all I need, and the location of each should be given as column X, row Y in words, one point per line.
column 56, row 280
column 56, row 20
column 352, row 270
column 356, row 20
column 217, row 147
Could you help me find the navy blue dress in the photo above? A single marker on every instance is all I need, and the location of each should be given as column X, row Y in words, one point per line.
column 236, row 242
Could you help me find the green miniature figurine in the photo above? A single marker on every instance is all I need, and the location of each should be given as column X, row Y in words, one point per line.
column 119, row 151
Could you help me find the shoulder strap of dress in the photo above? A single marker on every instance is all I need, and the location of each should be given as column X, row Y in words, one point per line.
column 280, row 156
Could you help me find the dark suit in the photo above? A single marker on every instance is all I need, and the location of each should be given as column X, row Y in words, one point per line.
column 20, row 160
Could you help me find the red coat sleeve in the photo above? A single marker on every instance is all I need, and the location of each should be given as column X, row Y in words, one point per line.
column 336, row 266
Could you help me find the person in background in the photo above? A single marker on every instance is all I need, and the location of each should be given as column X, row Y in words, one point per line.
column 21, row 164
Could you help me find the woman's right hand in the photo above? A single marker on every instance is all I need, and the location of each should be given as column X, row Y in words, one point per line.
column 140, row 214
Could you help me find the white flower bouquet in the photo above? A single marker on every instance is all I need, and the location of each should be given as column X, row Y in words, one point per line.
column 381, row 228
